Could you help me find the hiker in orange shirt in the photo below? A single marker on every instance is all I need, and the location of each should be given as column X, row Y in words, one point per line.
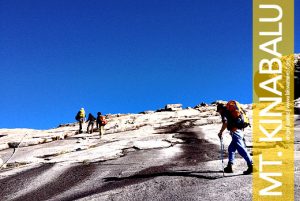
column 235, row 120
column 101, row 122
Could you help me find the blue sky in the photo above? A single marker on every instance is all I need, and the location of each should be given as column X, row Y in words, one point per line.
column 120, row 56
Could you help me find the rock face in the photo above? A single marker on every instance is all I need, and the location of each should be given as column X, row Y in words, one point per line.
column 151, row 156
column 147, row 130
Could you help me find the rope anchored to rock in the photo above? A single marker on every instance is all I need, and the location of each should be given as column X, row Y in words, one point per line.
column 14, row 152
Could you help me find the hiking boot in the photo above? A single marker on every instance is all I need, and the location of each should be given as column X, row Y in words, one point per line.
column 249, row 170
column 228, row 169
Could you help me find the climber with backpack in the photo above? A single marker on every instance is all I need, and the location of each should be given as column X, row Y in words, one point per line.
column 234, row 118
column 91, row 119
column 80, row 117
column 101, row 122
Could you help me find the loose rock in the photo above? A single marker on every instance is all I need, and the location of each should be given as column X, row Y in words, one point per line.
column 173, row 107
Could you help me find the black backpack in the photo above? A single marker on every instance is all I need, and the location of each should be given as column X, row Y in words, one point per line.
column 77, row 117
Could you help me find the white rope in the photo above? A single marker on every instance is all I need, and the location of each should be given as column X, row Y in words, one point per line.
column 14, row 152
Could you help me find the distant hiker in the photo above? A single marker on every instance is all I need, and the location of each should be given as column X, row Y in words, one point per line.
column 235, row 120
column 91, row 119
column 80, row 117
column 98, row 121
column 101, row 122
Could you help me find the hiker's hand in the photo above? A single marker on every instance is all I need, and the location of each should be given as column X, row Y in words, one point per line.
column 220, row 135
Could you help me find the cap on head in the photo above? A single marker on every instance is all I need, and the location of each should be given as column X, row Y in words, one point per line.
column 220, row 107
column 99, row 113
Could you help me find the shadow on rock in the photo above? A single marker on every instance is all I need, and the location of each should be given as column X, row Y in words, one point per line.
column 66, row 180
column 195, row 149
column 17, row 182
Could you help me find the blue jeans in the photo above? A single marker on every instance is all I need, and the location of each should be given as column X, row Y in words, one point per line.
column 238, row 144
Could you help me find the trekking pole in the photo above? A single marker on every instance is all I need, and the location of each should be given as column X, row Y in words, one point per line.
column 222, row 158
